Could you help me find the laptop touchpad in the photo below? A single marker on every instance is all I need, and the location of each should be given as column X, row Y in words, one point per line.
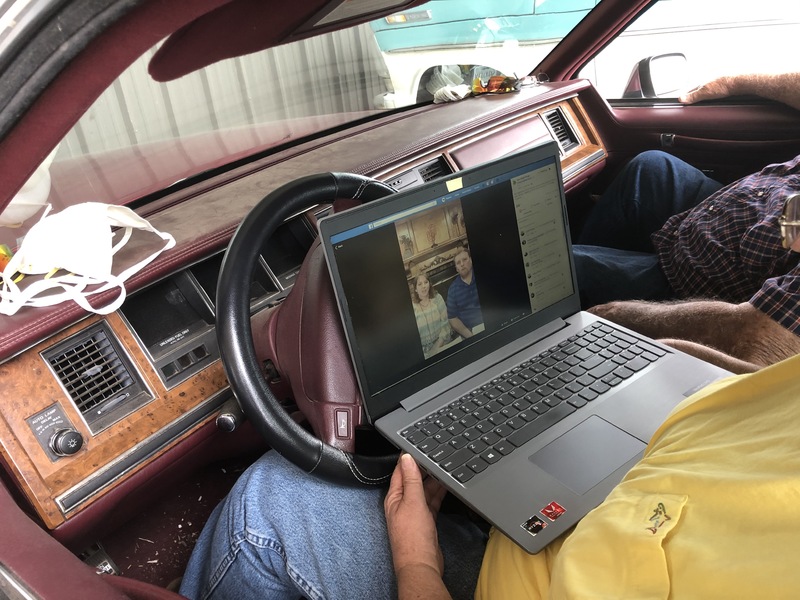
column 587, row 454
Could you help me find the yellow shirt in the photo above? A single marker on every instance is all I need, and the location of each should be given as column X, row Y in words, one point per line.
column 711, row 511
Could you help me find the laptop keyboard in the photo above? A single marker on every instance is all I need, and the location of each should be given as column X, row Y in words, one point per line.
column 483, row 426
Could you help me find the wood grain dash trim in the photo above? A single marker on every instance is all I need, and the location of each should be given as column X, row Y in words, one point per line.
column 27, row 386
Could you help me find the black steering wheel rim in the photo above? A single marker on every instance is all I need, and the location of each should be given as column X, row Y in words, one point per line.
column 235, row 336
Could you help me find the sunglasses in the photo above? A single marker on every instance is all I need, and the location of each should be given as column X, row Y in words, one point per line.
column 789, row 221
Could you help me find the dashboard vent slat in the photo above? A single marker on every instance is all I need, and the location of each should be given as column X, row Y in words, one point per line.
column 93, row 372
column 561, row 129
column 434, row 169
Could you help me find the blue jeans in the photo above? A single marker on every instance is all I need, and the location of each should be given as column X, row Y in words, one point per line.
column 281, row 533
column 614, row 257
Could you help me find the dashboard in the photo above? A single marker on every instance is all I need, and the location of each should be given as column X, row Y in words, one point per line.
column 91, row 403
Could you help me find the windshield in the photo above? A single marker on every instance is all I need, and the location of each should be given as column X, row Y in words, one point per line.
column 141, row 136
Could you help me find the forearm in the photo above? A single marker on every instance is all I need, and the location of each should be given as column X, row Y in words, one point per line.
column 411, row 506
column 739, row 330
column 712, row 355
column 420, row 582
column 460, row 328
column 704, row 322
column 783, row 87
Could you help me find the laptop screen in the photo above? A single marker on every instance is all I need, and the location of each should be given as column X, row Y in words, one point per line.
column 432, row 280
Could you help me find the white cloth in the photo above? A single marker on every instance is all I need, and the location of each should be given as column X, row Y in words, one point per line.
column 78, row 240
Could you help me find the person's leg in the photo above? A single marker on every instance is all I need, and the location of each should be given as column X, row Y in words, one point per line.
column 648, row 191
column 282, row 533
column 606, row 274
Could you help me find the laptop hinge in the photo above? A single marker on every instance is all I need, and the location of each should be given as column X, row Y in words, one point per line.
column 489, row 361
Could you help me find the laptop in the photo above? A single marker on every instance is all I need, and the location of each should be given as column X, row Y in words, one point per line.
column 489, row 375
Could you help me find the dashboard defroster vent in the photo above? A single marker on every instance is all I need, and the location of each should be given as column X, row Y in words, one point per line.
column 97, row 376
column 434, row 169
column 420, row 174
column 561, row 129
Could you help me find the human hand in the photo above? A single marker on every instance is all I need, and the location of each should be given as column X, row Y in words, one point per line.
column 411, row 506
column 717, row 88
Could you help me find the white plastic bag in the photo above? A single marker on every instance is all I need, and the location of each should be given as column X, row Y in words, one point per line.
column 78, row 240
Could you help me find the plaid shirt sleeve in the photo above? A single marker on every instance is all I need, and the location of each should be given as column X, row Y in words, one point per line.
column 729, row 246
column 779, row 299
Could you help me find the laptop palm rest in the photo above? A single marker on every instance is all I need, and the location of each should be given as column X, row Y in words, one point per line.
column 587, row 454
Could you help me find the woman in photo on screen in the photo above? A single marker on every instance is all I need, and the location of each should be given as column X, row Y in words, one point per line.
column 431, row 313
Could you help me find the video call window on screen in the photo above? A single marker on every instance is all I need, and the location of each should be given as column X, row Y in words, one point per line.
column 442, row 285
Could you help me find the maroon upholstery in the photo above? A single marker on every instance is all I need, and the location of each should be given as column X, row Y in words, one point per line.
column 308, row 331
column 233, row 29
column 139, row 590
column 44, row 566
column 242, row 27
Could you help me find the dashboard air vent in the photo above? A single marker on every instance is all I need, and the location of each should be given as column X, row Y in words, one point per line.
column 561, row 129
column 434, row 169
column 96, row 376
column 422, row 174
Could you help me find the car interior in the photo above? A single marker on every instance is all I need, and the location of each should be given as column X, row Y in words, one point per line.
column 106, row 481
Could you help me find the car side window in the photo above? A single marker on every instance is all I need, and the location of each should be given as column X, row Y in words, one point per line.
column 716, row 37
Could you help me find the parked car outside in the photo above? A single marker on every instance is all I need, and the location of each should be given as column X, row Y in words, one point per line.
column 502, row 37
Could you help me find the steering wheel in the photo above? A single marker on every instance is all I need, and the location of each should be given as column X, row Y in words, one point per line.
column 303, row 337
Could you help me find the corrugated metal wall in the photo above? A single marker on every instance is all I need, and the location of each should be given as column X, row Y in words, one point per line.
column 334, row 73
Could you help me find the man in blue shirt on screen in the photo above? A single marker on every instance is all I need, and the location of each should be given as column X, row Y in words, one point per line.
column 463, row 306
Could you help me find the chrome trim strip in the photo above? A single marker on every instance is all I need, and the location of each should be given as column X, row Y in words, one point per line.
column 90, row 486
column 594, row 157
column 12, row 588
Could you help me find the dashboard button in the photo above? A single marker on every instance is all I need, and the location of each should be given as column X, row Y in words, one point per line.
column 343, row 424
